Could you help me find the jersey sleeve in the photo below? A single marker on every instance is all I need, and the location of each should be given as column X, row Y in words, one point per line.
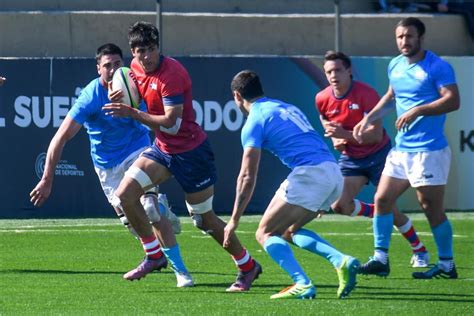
column 252, row 132
column 172, row 90
column 318, row 101
column 443, row 74
column 81, row 110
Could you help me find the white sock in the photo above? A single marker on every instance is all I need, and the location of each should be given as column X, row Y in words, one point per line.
column 381, row 256
column 357, row 207
column 446, row 265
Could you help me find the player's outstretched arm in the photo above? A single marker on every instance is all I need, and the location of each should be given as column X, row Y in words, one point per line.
column 244, row 190
column 2, row 80
column 66, row 131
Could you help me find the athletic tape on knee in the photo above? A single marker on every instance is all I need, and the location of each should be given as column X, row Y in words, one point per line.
column 200, row 208
column 140, row 176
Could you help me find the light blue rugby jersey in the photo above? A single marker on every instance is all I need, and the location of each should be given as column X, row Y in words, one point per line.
column 418, row 84
column 284, row 130
column 111, row 139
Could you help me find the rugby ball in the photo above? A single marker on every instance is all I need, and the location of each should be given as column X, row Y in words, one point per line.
column 124, row 80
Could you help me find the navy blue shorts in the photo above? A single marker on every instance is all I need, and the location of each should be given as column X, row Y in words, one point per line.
column 194, row 170
column 370, row 167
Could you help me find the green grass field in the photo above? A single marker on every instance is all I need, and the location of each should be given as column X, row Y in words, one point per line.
column 73, row 267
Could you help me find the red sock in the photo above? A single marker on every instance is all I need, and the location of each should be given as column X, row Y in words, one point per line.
column 244, row 261
column 363, row 209
column 408, row 231
column 152, row 247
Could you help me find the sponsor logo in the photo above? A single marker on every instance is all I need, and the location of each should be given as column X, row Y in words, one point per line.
column 420, row 74
column 63, row 168
column 354, row 106
column 467, row 141
column 200, row 184
column 425, row 175
column 39, row 164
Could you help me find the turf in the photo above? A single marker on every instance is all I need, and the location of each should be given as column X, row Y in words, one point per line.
column 75, row 267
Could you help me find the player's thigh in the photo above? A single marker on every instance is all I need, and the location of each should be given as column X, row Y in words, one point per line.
column 388, row 191
column 144, row 174
column 200, row 196
column 280, row 216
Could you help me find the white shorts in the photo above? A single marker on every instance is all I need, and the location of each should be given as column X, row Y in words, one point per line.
column 424, row 168
column 110, row 178
column 313, row 187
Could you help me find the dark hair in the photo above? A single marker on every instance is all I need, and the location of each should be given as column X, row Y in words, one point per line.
column 332, row 55
column 107, row 49
column 143, row 34
column 406, row 22
column 247, row 84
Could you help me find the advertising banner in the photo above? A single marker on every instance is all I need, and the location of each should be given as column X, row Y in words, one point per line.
column 39, row 92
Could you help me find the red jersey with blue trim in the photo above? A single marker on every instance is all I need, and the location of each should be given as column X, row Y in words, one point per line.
column 350, row 110
column 170, row 85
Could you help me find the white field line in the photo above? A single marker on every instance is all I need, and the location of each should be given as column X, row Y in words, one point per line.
column 194, row 233
column 94, row 222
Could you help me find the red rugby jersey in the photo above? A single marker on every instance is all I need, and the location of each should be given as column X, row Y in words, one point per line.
column 170, row 84
column 349, row 111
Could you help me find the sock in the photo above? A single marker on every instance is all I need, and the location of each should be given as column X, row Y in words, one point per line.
column 383, row 225
column 363, row 209
column 244, row 261
column 446, row 265
column 152, row 247
column 281, row 253
column 311, row 241
column 443, row 236
column 408, row 231
column 174, row 257
column 381, row 256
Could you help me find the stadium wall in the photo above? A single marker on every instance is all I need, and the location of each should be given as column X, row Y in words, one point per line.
column 39, row 92
column 79, row 33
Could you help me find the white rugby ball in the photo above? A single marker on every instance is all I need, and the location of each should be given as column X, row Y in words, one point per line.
column 124, row 80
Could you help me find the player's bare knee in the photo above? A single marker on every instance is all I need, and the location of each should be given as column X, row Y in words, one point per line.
column 383, row 202
column 261, row 236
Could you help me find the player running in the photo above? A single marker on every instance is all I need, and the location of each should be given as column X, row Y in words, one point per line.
column 115, row 145
column 314, row 183
column 181, row 149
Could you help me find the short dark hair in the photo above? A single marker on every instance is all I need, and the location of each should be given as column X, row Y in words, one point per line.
column 333, row 55
column 406, row 22
column 107, row 49
column 247, row 83
column 143, row 34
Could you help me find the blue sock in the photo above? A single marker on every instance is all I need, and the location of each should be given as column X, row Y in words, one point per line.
column 383, row 225
column 311, row 241
column 174, row 257
column 281, row 253
column 443, row 236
